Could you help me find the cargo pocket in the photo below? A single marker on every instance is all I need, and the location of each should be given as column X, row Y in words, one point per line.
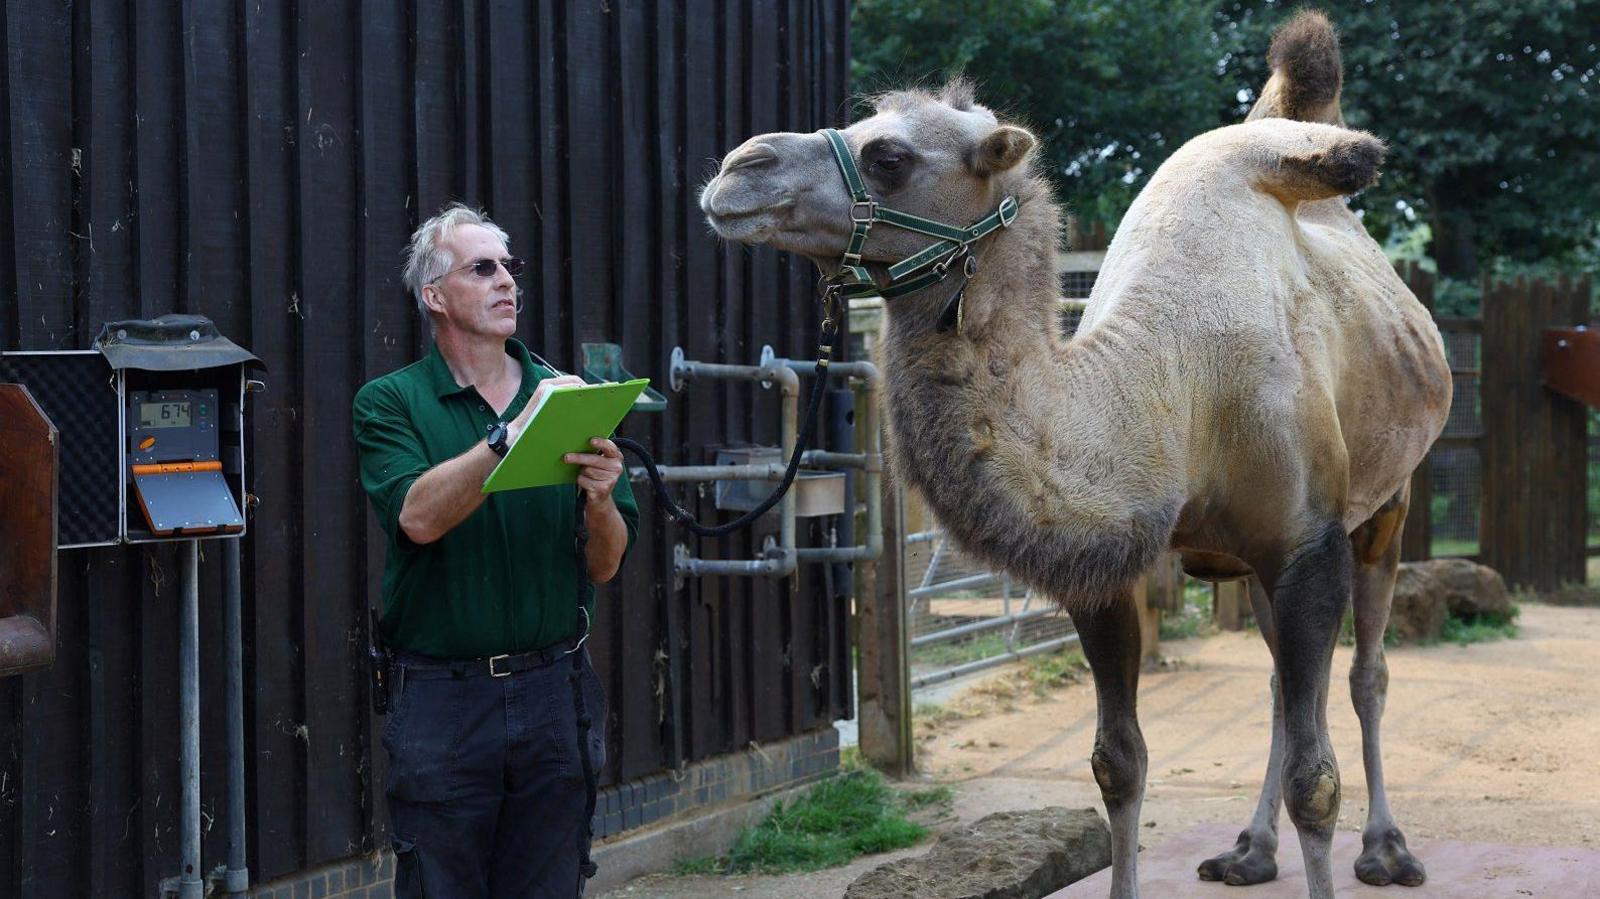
column 407, row 869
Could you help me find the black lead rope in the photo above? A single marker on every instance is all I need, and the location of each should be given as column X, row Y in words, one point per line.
column 586, row 866
column 687, row 520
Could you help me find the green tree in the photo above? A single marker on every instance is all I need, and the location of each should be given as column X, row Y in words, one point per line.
column 1111, row 88
column 1489, row 108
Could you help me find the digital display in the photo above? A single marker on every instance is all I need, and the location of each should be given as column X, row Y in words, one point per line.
column 164, row 415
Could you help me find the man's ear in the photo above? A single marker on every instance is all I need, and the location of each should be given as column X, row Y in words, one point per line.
column 432, row 298
column 1001, row 150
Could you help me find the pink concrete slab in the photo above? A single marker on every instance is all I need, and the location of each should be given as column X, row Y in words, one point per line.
column 1455, row 871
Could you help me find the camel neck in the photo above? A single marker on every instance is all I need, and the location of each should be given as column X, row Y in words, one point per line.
column 1007, row 428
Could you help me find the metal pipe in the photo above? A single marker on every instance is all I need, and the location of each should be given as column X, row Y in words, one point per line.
column 874, row 479
column 992, row 661
column 961, row 583
column 835, row 553
column 238, row 876
column 827, row 459
column 865, row 371
column 692, row 473
column 776, row 563
column 977, row 626
column 190, row 883
column 789, row 385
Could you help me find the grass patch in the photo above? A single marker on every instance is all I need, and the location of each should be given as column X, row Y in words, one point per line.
column 1446, row 547
column 856, row 813
column 1048, row 670
column 1481, row 628
column 1195, row 619
column 949, row 654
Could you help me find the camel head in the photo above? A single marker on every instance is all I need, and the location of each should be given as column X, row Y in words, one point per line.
column 937, row 156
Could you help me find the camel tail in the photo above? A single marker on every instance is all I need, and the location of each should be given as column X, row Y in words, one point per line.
column 1307, row 72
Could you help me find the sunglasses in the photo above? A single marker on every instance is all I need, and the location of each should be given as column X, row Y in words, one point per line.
column 485, row 268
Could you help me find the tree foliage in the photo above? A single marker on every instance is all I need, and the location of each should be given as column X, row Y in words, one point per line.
column 1110, row 94
column 1489, row 107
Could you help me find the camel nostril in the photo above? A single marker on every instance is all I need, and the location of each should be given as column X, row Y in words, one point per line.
column 755, row 156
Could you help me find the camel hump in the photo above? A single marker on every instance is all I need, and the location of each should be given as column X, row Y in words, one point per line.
column 1307, row 72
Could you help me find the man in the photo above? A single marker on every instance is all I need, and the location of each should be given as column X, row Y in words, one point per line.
column 487, row 788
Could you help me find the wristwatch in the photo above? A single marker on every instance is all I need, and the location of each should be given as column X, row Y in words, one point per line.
column 497, row 438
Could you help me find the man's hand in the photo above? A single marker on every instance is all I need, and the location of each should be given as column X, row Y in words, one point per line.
column 514, row 426
column 600, row 471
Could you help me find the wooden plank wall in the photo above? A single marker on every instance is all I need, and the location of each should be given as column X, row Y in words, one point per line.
column 263, row 164
column 1534, row 459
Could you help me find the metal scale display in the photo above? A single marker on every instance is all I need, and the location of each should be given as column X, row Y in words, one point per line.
column 151, row 449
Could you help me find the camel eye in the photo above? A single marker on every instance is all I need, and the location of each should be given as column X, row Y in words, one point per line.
column 888, row 163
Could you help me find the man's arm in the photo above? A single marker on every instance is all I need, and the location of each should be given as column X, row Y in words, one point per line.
column 608, row 533
column 450, row 491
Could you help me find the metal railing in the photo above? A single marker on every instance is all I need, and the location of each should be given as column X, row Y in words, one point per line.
column 964, row 618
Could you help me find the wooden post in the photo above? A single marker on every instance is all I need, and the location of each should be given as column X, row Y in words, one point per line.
column 883, row 677
column 1231, row 604
column 1159, row 591
column 1534, row 465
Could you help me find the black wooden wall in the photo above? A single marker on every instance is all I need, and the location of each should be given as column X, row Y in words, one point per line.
column 262, row 163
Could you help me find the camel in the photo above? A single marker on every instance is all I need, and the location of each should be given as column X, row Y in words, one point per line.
column 1251, row 386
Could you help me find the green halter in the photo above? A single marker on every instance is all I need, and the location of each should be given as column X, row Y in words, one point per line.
column 952, row 244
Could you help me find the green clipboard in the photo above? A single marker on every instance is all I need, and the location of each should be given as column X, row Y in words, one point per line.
column 564, row 423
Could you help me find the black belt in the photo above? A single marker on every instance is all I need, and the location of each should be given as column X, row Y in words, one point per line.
column 505, row 665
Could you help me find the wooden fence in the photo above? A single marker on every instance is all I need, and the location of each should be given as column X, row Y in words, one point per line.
column 1529, row 443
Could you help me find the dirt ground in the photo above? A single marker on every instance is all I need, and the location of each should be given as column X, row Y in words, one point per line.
column 1496, row 742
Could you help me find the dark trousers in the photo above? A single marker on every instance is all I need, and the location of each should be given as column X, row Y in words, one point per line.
column 486, row 789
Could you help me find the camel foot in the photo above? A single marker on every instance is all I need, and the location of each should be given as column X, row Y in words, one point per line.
column 1249, row 861
column 1385, row 859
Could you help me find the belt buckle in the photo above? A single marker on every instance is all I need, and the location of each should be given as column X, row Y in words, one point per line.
column 498, row 658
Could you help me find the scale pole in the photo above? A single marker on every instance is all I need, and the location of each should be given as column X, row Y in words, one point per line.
column 190, row 883
column 238, row 877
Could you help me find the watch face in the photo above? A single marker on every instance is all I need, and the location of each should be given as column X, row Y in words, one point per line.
column 497, row 438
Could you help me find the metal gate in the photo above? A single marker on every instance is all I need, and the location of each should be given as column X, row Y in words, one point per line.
column 964, row 618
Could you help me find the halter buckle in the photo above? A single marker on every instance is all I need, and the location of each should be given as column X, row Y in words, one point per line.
column 863, row 218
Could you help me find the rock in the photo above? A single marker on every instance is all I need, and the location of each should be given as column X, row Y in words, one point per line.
column 1006, row 855
column 1419, row 608
column 1426, row 593
column 1469, row 588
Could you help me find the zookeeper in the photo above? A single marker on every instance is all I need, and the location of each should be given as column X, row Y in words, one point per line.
column 491, row 767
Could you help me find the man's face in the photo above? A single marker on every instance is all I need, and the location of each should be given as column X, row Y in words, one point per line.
column 471, row 303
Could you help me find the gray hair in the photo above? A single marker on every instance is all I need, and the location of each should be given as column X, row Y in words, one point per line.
column 426, row 258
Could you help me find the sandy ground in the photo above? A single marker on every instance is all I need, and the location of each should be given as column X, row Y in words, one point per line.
column 1496, row 742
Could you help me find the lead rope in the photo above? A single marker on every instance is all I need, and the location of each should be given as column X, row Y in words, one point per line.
column 580, row 529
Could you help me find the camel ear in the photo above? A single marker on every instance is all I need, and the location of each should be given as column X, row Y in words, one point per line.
column 1005, row 146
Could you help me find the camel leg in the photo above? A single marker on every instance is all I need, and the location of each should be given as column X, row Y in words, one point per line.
column 1308, row 598
column 1110, row 638
column 1253, row 859
column 1384, row 857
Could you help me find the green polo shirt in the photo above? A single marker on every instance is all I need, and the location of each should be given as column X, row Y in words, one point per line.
column 505, row 579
